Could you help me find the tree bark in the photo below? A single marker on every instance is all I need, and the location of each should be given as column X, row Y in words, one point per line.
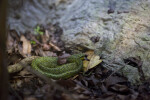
column 3, row 69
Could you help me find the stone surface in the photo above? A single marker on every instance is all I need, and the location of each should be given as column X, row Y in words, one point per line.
column 117, row 28
column 25, row 15
column 122, row 25
column 87, row 18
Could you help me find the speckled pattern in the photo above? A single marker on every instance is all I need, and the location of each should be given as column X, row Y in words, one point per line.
column 48, row 66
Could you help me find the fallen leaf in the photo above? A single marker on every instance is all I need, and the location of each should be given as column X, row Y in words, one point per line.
column 45, row 37
column 112, row 80
column 26, row 51
column 12, row 41
column 46, row 47
column 94, row 60
column 120, row 88
column 10, row 44
column 54, row 47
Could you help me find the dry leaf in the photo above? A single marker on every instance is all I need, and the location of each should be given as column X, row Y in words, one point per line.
column 46, row 47
column 10, row 44
column 39, row 51
column 55, row 47
column 94, row 60
column 45, row 37
column 26, row 51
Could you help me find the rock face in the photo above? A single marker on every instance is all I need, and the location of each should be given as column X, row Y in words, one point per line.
column 123, row 28
column 118, row 28
column 25, row 15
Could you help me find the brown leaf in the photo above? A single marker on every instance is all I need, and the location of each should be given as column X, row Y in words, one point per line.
column 12, row 41
column 10, row 44
column 46, row 47
column 112, row 80
column 39, row 51
column 55, row 47
column 45, row 37
column 120, row 88
column 26, row 51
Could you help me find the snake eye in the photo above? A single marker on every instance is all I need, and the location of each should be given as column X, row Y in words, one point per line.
column 84, row 57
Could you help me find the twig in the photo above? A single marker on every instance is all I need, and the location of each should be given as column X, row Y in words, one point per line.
column 18, row 67
column 54, row 46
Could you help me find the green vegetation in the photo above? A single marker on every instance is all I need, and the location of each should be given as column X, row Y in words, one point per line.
column 32, row 42
column 38, row 31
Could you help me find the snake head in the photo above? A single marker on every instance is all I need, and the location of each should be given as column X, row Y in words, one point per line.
column 76, row 57
column 81, row 56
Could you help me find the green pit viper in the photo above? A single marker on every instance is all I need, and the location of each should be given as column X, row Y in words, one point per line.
column 48, row 66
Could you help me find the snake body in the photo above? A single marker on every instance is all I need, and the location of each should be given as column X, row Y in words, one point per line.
column 49, row 67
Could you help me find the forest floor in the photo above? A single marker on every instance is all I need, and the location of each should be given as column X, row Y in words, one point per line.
column 97, row 83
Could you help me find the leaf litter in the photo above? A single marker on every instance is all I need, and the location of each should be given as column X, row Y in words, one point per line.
column 98, row 83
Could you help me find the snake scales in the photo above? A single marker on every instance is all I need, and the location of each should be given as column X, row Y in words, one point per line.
column 49, row 67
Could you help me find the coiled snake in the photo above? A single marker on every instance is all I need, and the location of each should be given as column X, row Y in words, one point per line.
column 49, row 67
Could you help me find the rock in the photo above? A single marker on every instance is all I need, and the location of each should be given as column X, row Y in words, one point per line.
column 87, row 18
column 25, row 15
column 132, row 74
column 122, row 25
